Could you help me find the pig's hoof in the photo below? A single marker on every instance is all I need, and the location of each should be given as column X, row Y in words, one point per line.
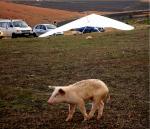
column 99, row 117
column 90, row 117
column 86, row 118
column 68, row 119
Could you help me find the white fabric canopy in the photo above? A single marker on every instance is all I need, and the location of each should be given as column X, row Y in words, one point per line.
column 92, row 20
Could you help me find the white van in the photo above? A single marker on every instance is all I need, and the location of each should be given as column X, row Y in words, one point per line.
column 15, row 28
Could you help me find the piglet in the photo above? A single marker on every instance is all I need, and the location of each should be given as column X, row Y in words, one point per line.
column 76, row 94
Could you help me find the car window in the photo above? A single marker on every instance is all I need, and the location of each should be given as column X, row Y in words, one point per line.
column 10, row 24
column 3, row 24
column 37, row 27
column 20, row 24
column 50, row 26
column 43, row 27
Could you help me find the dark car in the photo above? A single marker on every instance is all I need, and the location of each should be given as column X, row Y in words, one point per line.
column 90, row 29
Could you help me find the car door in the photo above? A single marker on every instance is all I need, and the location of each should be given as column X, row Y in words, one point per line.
column 42, row 29
column 3, row 28
column 37, row 30
column 6, row 28
column 9, row 29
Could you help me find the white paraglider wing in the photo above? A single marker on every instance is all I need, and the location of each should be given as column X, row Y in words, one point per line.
column 92, row 20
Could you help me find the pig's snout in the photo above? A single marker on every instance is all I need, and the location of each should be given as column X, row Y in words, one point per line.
column 50, row 102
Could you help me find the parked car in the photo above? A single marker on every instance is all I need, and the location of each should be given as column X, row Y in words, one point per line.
column 15, row 28
column 1, row 35
column 90, row 29
column 43, row 28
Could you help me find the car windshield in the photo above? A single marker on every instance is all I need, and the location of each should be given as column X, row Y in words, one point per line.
column 21, row 24
column 50, row 26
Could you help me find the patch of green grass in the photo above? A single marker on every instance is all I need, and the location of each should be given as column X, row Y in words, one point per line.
column 22, row 99
column 143, row 21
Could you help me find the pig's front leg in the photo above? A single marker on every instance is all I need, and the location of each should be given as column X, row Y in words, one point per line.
column 82, row 108
column 100, row 110
column 72, row 108
column 95, row 106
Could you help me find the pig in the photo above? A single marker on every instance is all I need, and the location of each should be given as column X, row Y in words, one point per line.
column 76, row 94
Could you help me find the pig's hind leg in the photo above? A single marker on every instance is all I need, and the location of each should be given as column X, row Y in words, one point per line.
column 95, row 106
column 100, row 109
column 72, row 108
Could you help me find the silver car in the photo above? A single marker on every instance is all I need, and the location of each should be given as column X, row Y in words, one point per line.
column 43, row 28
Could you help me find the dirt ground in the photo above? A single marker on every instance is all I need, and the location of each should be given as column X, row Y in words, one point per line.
column 29, row 65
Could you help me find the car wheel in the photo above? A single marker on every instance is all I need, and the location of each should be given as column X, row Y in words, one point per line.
column 14, row 35
column 35, row 35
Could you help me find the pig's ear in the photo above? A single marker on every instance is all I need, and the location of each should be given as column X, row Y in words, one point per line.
column 61, row 91
column 51, row 87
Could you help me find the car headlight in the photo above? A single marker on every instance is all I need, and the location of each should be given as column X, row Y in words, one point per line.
column 18, row 31
column 1, row 33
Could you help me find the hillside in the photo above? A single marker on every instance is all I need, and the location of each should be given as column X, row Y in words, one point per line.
column 34, row 15
column 90, row 5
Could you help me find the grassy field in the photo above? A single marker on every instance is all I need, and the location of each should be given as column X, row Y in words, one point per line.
column 29, row 65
